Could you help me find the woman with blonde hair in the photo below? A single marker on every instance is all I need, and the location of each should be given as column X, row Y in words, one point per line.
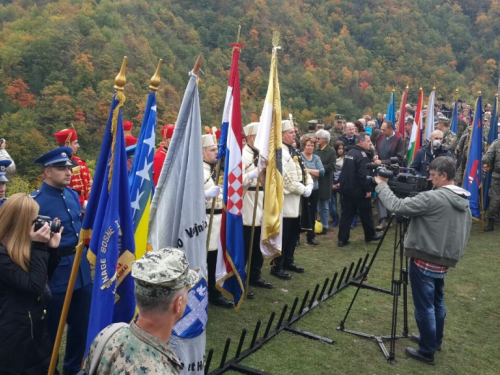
column 26, row 259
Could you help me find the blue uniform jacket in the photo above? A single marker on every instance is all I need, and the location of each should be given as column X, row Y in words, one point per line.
column 2, row 201
column 64, row 205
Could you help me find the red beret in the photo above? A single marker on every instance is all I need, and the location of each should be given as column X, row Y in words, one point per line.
column 127, row 127
column 167, row 131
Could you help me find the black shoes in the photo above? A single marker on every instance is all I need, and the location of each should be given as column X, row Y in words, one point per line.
column 342, row 243
column 324, row 231
column 221, row 301
column 261, row 283
column 415, row 354
column 294, row 268
column 312, row 242
column 280, row 274
column 250, row 295
column 490, row 226
column 375, row 237
column 416, row 338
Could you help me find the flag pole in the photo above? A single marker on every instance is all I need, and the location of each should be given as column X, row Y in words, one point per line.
column 252, row 233
column 120, row 81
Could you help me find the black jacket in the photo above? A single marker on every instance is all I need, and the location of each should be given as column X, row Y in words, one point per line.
column 424, row 157
column 348, row 143
column 353, row 175
column 328, row 158
column 24, row 342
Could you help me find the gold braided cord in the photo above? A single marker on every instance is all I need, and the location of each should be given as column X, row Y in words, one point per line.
column 120, row 96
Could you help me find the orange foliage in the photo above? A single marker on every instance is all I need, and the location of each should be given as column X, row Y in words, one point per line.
column 19, row 93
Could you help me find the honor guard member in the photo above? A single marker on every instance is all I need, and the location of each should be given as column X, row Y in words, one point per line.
column 296, row 183
column 250, row 158
column 166, row 135
column 81, row 179
column 4, row 155
column 57, row 200
column 450, row 140
column 4, row 164
column 130, row 140
column 213, row 190
column 492, row 159
column 162, row 280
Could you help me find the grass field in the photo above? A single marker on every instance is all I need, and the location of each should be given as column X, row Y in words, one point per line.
column 472, row 329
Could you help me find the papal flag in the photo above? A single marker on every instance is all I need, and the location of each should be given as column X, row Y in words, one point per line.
column 230, row 269
column 416, row 130
column 429, row 123
column 109, row 220
column 473, row 173
column 268, row 143
column 141, row 176
column 178, row 219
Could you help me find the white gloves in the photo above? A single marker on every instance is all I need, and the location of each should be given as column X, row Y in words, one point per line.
column 213, row 192
column 307, row 191
column 253, row 174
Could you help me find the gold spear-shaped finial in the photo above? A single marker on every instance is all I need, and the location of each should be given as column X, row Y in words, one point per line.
column 407, row 86
column 197, row 64
column 479, row 93
column 393, row 89
column 120, row 79
column 155, row 79
column 276, row 38
column 456, row 94
column 434, row 87
column 420, row 88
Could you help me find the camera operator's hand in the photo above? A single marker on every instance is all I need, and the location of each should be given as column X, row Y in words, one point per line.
column 379, row 179
column 368, row 195
column 41, row 235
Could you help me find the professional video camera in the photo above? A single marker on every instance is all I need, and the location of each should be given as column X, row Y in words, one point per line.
column 55, row 226
column 403, row 181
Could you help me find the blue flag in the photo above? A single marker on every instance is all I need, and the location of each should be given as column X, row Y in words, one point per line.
column 391, row 110
column 473, row 173
column 108, row 216
column 141, row 177
column 492, row 135
column 454, row 119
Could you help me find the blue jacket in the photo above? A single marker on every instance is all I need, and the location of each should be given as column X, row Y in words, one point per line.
column 424, row 157
column 64, row 204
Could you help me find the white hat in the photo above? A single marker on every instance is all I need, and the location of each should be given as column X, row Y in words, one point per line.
column 251, row 129
column 208, row 140
column 286, row 125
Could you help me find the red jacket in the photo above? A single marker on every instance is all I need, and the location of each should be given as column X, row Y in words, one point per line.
column 81, row 180
column 158, row 161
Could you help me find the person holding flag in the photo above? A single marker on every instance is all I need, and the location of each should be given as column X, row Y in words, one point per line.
column 166, row 135
column 449, row 137
column 57, row 200
column 492, row 159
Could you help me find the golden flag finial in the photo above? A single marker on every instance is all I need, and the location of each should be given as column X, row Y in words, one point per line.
column 197, row 64
column 420, row 88
column 479, row 93
column 407, row 86
column 276, row 38
column 155, row 79
column 238, row 36
column 434, row 87
column 456, row 94
column 393, row 89
column 120, row 79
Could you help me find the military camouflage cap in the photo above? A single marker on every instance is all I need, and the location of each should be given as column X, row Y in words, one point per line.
column 161, row 271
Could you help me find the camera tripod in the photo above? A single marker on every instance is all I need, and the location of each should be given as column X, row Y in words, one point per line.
column 399, row 283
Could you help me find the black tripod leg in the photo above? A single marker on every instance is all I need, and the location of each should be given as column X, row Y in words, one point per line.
column 405, row 277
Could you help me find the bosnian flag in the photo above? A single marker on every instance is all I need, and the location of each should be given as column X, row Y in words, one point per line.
column 230, row 270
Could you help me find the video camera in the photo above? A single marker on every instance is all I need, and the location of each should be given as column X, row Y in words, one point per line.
column 403, row 182
column 55, row 226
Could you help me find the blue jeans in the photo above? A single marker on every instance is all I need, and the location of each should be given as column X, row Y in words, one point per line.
column 323, row 211
column 333, row 209
column 430, row 310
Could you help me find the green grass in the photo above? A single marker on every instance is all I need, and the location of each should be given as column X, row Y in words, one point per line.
column 472, row 325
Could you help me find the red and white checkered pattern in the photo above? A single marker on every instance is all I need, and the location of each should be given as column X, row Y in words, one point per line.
column 235, row 192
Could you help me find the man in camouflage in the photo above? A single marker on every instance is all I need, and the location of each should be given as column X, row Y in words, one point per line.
column 492, row 159
column 162, row 281
column 337, row 131
column 449, row 138
column 463, row 152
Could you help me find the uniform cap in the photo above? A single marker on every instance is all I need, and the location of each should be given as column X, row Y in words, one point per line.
column 286, row 125
column 167, row 131
column 312, row 122
column 162, row 271
column 251, row 129
column 127, row 127
column 339, row 118
column 59, row 157
column 130, row 140
column 66, row 136
column 441, row 119
column 4, row 164
column 409, row 119
column 208, row 140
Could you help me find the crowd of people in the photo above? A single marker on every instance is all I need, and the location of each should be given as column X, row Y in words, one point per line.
column 325, row 185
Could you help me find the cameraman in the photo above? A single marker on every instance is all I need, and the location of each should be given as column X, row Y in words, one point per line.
column 428, row 153
column 4, row 155
column 436, row 239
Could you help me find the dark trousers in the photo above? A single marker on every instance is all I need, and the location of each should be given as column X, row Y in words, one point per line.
column 77, row 320
column 257, row 259
column 350, row 205
column 291, row 232
column 313, row 209
column 213, row 292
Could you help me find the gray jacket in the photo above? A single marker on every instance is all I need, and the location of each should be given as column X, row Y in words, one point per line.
column 440, row 222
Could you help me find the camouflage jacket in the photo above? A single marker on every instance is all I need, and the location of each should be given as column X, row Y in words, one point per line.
column 450, row 141
column 133, row 351
column 492, row 158
column 335, row 135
